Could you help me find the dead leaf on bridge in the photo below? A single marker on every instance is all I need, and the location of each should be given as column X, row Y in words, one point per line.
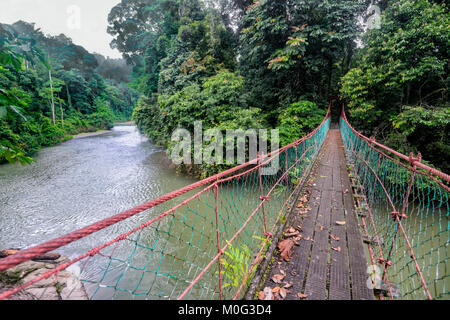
column 285, row 247
column 278, row 278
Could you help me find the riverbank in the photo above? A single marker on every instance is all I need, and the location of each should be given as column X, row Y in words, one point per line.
column 187, row 170
column 124, row 123
column 90, row 134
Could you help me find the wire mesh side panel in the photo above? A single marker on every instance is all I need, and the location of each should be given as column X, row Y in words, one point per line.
column 250, row 207
column 203, row 245
column 160, row 260
column 408, row 220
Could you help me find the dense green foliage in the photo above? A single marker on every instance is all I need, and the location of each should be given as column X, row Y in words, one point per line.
column 285, row 58
column 233, row 64
column 398, row 88
column 298, row 120
column 52, row 89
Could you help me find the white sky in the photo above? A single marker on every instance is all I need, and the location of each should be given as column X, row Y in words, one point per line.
column 84, row 21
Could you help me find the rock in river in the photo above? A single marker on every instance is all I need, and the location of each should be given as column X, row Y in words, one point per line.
column 64, row 286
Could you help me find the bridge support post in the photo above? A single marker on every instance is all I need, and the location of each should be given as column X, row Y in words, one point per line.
column 399, row 215
column 219, row 250
column 262, row 197
column 287, row 177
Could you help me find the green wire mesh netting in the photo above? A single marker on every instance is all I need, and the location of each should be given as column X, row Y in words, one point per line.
column 406, row 215
column 205, row 244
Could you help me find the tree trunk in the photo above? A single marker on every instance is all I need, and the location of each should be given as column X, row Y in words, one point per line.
column 45, row 256
column 330, row 76
column 69, row 99
column 62, row 113
column 53, row 101
column 408, row 93
column 349, row 57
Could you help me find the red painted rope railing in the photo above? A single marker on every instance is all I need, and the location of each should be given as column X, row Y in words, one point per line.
column 415, row 239
column 412, row 161
column 305, row 150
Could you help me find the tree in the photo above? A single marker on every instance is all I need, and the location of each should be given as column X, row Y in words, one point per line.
column 10, row 107
column 297, row 49
column 299, row 119
column 398, row 88
column 132, row 20
column 37, row 70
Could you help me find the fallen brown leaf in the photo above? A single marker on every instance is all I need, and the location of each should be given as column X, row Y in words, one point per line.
column 290, row 230
column 283, row 293
column 278, row 278
column 338, row 249
column 287, row 285
column 302, row 295
column 276, row 289
column 297, row 240
column 261, row 295
column 335, row 238
column 285, row 247
column 292, row 234
column 340, row 223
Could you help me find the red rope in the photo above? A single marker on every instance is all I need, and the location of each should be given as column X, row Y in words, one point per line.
column 412, row 161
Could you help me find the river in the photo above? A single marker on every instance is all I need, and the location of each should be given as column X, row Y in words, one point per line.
column 80, row 182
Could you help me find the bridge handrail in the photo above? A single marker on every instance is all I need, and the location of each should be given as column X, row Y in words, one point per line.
column 414, row 162
column 392, row 207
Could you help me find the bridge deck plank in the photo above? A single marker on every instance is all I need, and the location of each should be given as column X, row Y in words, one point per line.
column 320, row 266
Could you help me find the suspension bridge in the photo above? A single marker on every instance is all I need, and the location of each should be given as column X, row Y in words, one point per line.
column 349, row 217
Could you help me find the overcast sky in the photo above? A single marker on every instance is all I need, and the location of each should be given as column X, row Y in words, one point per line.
column 85, row 21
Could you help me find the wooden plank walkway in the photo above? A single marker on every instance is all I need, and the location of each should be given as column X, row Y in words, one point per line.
column 329, row 262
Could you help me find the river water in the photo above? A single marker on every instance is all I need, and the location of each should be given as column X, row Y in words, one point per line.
column 78, row 183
